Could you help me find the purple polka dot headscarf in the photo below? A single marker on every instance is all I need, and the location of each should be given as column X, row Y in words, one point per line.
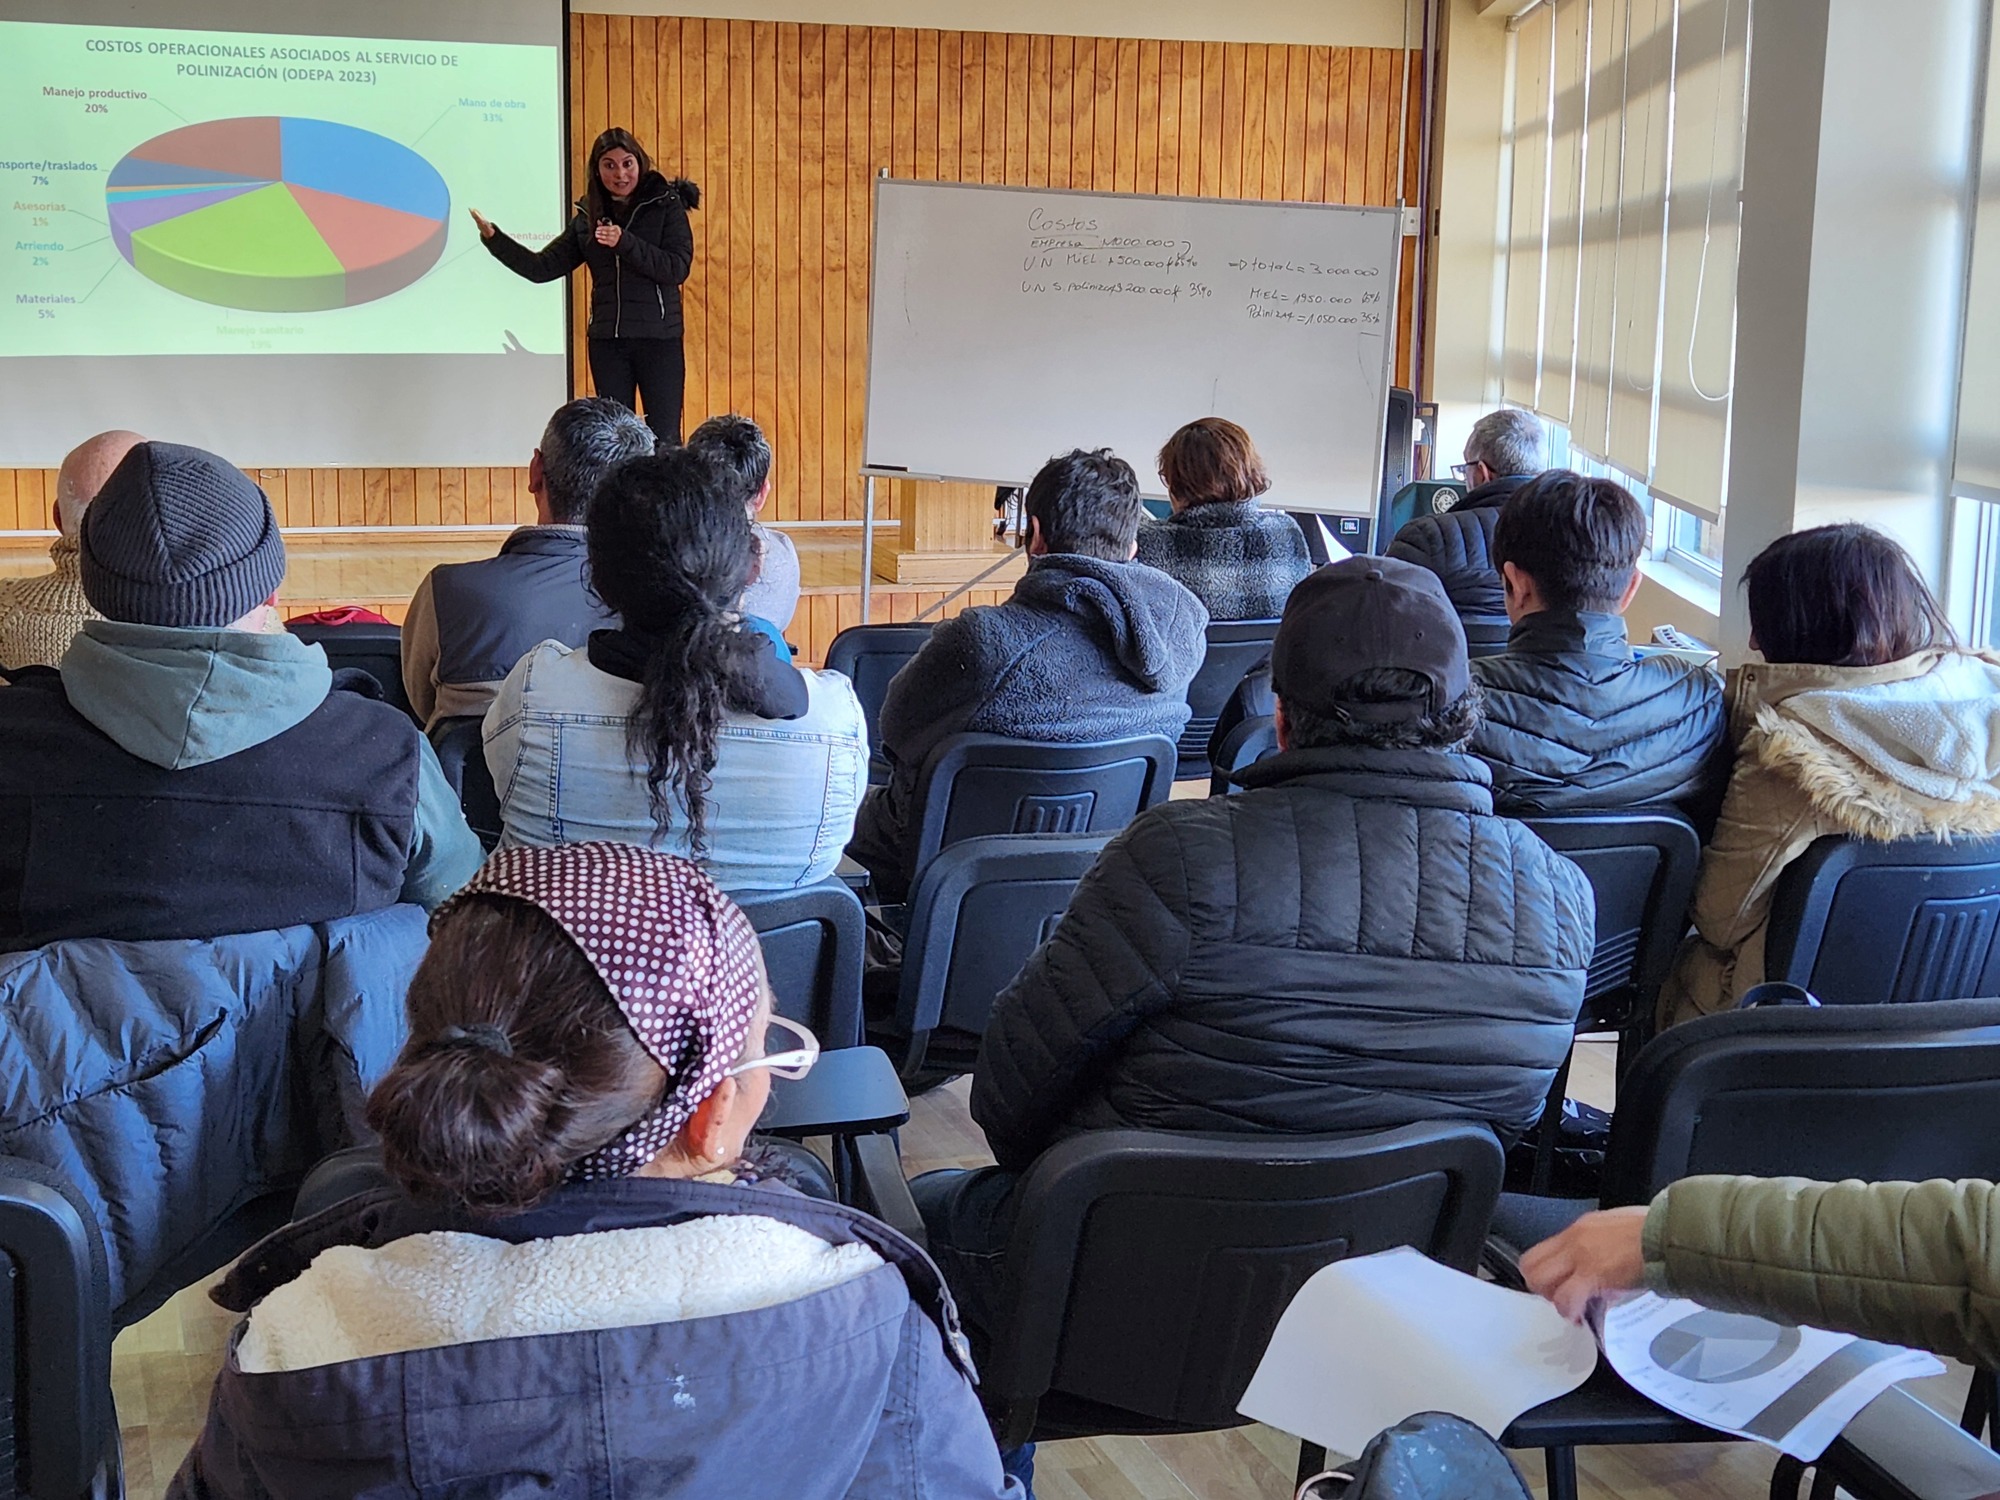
column 679, row 957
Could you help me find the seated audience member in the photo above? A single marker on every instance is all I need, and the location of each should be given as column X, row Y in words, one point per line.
column 681, row 729
column 194, row 770
column 1864, row 718
column 1354, row 943
column 1092, row 646
column 1574, row 721
column 470, row 622
column 737, row 446
column 1503, row 453
column 1906, row 1263
column 1236, row 557
column 40, row 616
column 576, row 1271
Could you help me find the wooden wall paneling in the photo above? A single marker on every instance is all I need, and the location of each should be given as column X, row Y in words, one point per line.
column 1020, row 91
column 1104, row 117
column 1153, row 89
column 833, row 256
column 402, row 497
column 1082, row 112
column 429, row 509
column 861, row 166
column 993, row 114
column 11, row 519
column 1062, row 85
column 1037, row 105
column 789, row 258
column 807, row 482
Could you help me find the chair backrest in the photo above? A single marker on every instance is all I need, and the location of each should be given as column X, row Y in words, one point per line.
column 1642, row 868
column 978, row 911
column 1235, row 649
column 461, row 752
column 367, row 647
column 57, row 1430
column 870, row 656
column 814, row 939
column 987, row 783
column 1485, row 635
column 1245, row 745
column 1147, row 1270
column 1883, row 1093
column 1866, row 923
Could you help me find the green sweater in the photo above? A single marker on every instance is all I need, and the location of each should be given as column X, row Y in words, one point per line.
column 1907, row 1263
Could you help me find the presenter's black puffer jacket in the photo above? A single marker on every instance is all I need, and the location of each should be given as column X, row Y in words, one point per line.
column 635, row 290
column 1575, row 723
column 1458, row 547
column 1354, row 943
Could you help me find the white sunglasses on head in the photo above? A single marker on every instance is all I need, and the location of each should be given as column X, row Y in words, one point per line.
column 789, row 1050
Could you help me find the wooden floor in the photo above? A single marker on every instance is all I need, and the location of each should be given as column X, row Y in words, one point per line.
column 380, row 570
column 161, row 1370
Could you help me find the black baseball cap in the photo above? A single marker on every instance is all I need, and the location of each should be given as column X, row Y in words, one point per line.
column 1365, row 612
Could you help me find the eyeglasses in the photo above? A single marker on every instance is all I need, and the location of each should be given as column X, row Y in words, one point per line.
column 1462, row 471
column 789, row 1050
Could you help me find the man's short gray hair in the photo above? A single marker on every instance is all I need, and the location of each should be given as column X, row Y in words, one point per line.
column 583, row 442
column 1509, row 441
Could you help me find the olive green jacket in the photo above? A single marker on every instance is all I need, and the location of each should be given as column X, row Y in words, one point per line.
column 1906, row 1263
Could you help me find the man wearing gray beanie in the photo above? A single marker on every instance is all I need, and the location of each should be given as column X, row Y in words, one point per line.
column 193, row 770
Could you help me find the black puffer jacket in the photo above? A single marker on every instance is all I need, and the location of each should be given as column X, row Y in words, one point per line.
column 635, row 290
column 1355, row 943
column 1458, row 546
column 1574, row 723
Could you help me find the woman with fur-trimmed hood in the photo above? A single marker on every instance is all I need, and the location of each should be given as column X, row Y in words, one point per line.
column 1865, row 718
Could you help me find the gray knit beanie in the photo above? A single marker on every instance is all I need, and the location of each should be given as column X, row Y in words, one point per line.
column 178, row 536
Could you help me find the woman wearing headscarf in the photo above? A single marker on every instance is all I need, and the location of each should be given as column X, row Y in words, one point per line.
column 577, row 1286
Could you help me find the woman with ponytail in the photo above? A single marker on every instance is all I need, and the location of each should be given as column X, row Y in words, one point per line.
column 575, row 1284
column 681, row 730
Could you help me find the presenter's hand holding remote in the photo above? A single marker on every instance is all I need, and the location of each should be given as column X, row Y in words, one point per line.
column 486, row 229
column 609, row 234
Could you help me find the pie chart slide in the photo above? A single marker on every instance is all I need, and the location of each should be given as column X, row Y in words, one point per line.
column 1715, row 1348
column 276, row 214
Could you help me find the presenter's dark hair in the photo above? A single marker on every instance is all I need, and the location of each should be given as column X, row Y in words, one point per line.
column 737, row 446
column 617, row 138
column 1577, row 537
column 584, row 441
column 1087, row 503
column 1841, row 596
column 1211, row 461
column 519, row 1063
column 671, row 552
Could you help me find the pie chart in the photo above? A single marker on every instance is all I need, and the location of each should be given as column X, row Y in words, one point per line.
column 1717, row 1348
column 276, row 214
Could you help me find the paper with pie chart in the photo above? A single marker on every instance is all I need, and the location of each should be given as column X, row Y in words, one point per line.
column 1788, row 1387
column 278, row 214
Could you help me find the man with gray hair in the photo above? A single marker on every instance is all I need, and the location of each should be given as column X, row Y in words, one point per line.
column 470, row 622
column 39, row 616
column 1506, row 450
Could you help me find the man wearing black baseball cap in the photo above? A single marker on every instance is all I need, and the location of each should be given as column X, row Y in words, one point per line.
column 193, row 770
column 1353, row 942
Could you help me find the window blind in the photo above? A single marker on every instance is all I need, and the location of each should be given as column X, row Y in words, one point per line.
column 1642, row 221
column 1521, row 363
column 1570, row 79
column 1976, row 464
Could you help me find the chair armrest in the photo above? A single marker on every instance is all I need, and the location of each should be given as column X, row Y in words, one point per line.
column 1502, row 1262
column 881, row 1189
column 1898, row 1446
column 852, row 1091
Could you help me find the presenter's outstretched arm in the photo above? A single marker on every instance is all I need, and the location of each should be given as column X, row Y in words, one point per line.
column 552, row 262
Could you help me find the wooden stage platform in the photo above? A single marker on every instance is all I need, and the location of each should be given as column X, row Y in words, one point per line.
column 379, row 570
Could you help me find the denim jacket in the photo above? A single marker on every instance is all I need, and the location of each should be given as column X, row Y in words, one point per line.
column 782, row 794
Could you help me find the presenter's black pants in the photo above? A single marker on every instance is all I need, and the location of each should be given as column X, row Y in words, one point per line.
column 654, row 371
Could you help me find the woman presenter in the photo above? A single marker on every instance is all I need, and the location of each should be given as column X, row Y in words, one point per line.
column 631, row 229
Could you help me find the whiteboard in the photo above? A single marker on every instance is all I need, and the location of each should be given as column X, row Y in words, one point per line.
column 1007, row 324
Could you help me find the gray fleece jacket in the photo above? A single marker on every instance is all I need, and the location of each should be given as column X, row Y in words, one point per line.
column 1085, row 650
